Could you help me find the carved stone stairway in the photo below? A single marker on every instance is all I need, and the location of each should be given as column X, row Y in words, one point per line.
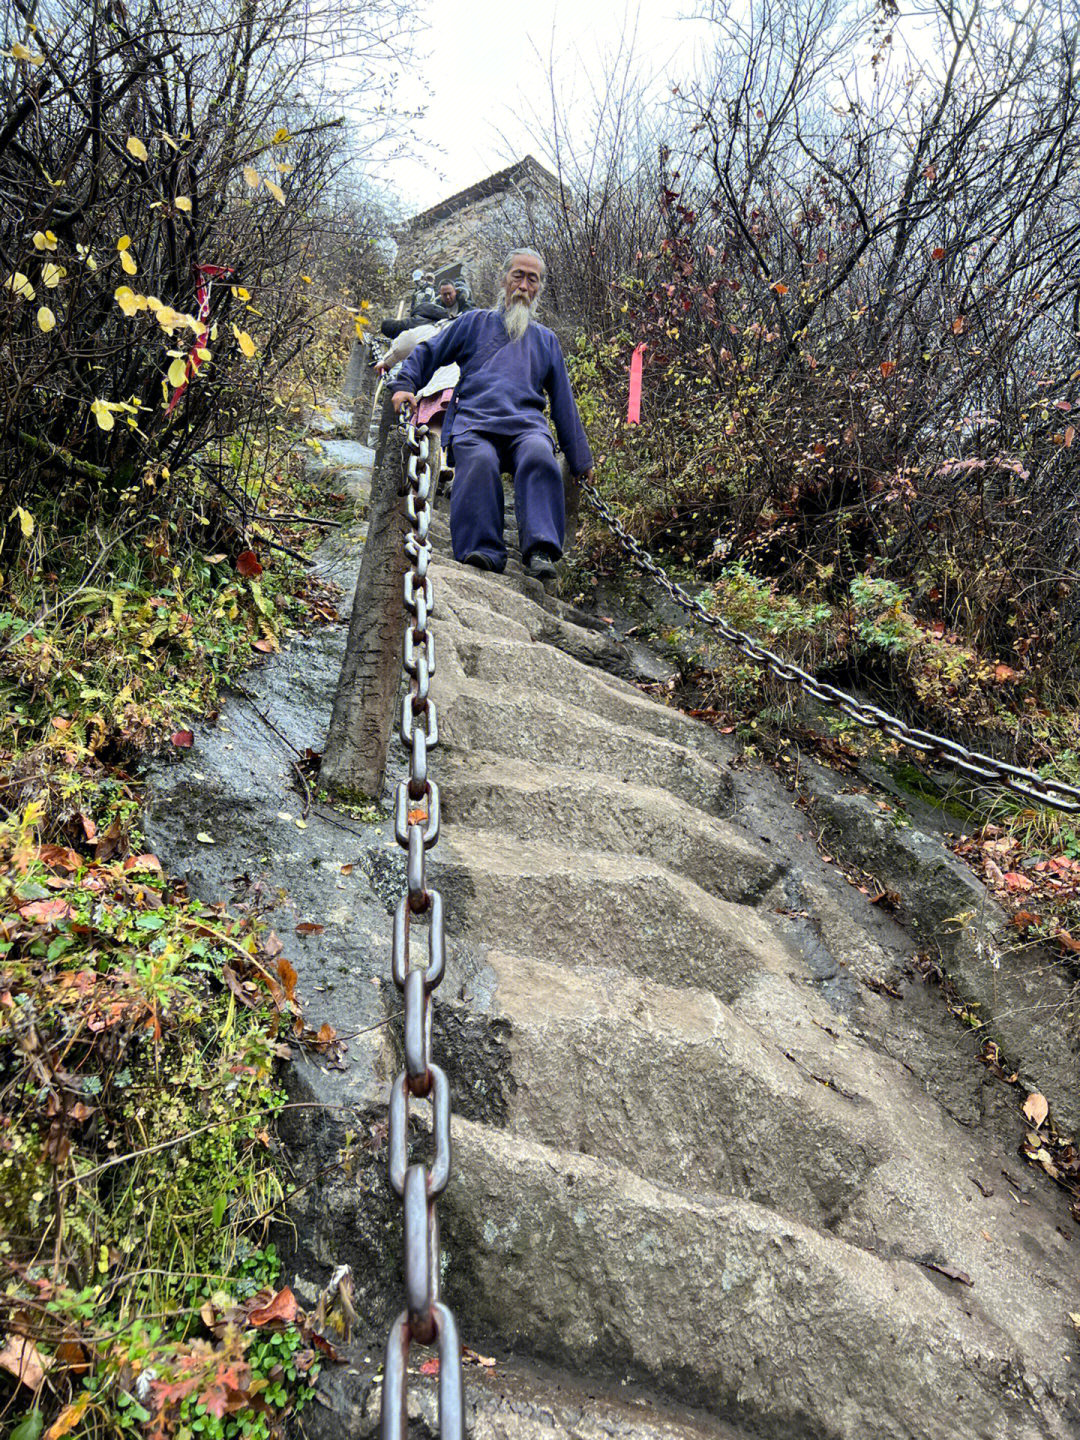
column 706, row 1181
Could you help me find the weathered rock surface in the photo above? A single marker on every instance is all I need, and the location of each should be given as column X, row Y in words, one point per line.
column 701, row 1168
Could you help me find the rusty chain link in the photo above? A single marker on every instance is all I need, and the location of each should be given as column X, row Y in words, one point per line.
column 416, row 826
column 981, row 767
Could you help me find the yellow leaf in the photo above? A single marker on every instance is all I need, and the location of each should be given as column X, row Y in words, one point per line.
column 126, row 298
column 177, row 373
column 124, row 243
column 39, row 240
column 280, row 136
column 68, row 1418
column 51, row 275
column 167, row 317
column 202, row 353
column 136, row 147
column 365, row 304
column 102, row 414
column 240, row 293
column 20, row 52
column 276, row 191
column 282, row 168
column 19, row 285
column 46, row 319
column 169, row 141
column 128, row 264
column 361, row 326
column 307, row 279
column 83, row 252
column 25, row 519
column 183, row 203
column 252, row 177
column 244, row 340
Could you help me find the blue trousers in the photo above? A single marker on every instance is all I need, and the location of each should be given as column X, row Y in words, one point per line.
column 476, row 504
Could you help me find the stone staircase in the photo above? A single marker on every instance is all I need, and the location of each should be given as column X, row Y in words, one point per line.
column 706, row 1181
column 698, row 1175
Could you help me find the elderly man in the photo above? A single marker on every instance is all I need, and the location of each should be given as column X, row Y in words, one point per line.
column 496, row 422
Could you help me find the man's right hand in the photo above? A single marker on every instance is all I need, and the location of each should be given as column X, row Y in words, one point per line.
column 403, row 397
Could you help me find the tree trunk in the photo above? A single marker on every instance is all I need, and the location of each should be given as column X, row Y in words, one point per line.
column 354, row 759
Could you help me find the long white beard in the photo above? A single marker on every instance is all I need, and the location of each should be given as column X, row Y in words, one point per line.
column 517, row 316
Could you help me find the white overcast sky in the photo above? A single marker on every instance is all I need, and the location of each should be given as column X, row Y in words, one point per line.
column 487, row 74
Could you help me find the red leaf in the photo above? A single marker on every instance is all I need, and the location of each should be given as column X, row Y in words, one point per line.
column 327, row 1034
column 45, row 912
column 1024, row 919
column 143, row 862
column 1062, row 404
column 779, row 288
column 1005, row 672
column 887, row 367
column 958, row 325
column 309, row 927
column 288, row 977
column 183, row 739
column 282, row 1307
column 430, row 1367
column 1070, row 435
column 938, row 253
column 1016, row 881
column 267, row 647
column 247, row 564
column 60, row 857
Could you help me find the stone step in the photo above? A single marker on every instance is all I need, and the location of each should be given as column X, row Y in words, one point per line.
column 593, row 812
column 507, row 666
column 511, row 1400
column 723, row 1304
column 539, row 728
column 587, row 909
column 668, row 1083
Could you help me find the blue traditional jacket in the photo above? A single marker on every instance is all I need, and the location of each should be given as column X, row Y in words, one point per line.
column 503, row 382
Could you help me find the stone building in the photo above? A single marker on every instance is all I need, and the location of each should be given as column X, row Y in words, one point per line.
column 470, row 232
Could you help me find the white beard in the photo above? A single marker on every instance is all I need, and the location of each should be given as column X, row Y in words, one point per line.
column 517, row 316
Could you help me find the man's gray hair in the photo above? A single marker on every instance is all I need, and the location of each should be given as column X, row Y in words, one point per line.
column 525, row 250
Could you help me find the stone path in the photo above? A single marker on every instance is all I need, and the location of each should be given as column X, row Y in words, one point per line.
column 705, row 1180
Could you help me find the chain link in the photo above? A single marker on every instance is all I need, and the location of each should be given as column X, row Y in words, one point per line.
column 425, row 1318
column 985, row 768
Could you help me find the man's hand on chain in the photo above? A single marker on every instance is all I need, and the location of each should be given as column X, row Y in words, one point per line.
column 403, row 397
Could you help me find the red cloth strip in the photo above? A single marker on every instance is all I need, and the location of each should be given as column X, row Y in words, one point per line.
column 633, row 409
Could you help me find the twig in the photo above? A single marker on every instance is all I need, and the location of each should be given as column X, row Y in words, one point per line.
column 64, row 457
column 304, row 519
column 246, row 693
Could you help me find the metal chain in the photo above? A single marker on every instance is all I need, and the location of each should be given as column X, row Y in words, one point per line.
column 980, row 767
column 416, row 825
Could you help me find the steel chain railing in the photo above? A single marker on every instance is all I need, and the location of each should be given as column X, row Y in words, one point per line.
column 416, row 825
column 969, row 762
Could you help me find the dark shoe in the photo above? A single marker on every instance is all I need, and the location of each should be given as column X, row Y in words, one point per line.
column 478, row 561
column 541, row 563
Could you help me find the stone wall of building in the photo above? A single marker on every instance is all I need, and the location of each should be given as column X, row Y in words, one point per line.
column 471, row 233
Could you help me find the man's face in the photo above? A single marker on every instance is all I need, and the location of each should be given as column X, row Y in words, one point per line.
column 447, row 294
column 523, row 280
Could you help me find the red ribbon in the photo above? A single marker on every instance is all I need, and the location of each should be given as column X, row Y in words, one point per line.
column 633, row 408
column 205, row 275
